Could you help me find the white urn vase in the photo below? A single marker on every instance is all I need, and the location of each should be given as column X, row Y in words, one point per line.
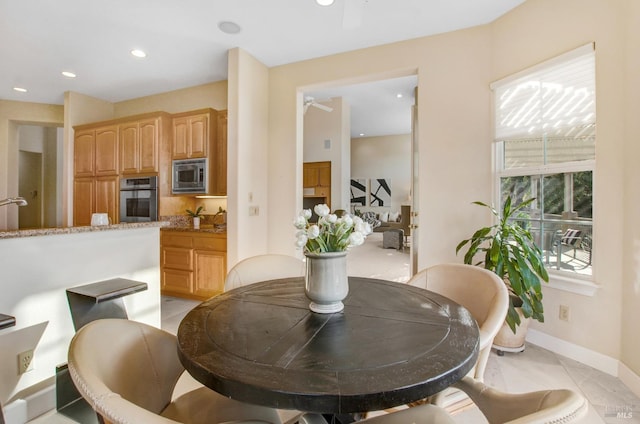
column 326, row 281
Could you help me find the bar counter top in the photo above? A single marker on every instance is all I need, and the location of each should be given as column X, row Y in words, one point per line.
column 6, row 234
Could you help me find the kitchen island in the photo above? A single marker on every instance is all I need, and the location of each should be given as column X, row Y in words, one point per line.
column 37, row 267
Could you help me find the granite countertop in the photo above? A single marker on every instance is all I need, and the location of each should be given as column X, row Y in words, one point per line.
column 6, row 234
column 203, row 229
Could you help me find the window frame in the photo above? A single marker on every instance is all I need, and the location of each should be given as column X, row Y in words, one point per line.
column 563, row 280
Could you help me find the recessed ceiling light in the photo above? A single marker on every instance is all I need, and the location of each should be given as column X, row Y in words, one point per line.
column 20, row 89
column 324, row 2
column 361, row 134
column 138, row 53
column 229, row 27
column 399, row 95
column 68, row 74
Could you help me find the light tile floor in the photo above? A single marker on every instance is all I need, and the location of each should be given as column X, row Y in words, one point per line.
column 534, row 369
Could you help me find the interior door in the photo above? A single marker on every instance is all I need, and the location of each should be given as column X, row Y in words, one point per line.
column 415, row 187
column 30, row 187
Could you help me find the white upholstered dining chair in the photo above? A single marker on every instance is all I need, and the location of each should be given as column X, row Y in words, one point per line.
column 484, row 294
column 551, row 406
column 127, row 372
column 481, row 291
column 262, row 268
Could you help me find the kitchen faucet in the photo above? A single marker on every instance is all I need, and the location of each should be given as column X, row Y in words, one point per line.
column 17, row 200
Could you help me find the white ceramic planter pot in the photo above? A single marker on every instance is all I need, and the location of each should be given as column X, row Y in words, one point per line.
column 326, row 281
column 507, row 341
column 196, row 222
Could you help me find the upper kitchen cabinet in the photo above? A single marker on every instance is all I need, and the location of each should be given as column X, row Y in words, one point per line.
column 203, row 134
column 96, row 151
column 106, row 151
column 219, row 161
column 194, row 134
column 141, row 142
column 316, row 181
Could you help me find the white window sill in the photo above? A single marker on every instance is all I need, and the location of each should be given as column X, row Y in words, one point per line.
column 571, row 284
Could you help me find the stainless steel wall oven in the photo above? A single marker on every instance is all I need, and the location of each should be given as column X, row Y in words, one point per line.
column 139, row 199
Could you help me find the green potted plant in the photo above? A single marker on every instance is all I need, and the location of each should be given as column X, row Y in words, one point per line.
column 509, row 250
column 223, row 217
column 196, row 216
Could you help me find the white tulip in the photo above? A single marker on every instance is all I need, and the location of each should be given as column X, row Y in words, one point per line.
column 306, row 213
column 356, row 238
column 348, row 221
column 300, row 222
column 301, row 240
column 322, row 210
column 313, row 232
column 332, row 218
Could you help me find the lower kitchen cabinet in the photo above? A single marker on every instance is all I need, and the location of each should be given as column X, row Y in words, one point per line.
column 193, row 264
column 95, row 195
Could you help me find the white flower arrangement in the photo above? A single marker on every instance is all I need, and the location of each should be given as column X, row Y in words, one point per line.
column 330, row 234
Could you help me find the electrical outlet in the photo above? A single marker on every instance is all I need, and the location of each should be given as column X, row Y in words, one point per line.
column 254, row 210
column 25, row 361
column 564, row 313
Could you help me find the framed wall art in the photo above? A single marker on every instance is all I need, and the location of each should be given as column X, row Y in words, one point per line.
column 380, row 192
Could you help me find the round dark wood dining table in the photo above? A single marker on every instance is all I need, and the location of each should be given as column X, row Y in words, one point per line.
column 393, row 344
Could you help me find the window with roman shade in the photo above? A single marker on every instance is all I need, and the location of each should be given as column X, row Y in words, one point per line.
column 545, row 135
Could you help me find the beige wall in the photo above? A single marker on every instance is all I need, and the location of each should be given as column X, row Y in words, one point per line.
column 630, row 346
column 212, row 95
column 384, row 157
column 334, row 126
column 248, row 150
column 520, row 42
column 453, row 74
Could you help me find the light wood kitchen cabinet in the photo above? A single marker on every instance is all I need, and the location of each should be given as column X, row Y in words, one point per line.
column 139, row 145
column 209, row 272
column 95, row 194
column 219, row 157
column 194, row 134
column 316, row 181
column 193, row 264
column 106, row 151
column 95, row 187
column 96, row 152
column 107, row 196
column 84, row 153
column 83, row 200
column 316, row 174
column 203, row 134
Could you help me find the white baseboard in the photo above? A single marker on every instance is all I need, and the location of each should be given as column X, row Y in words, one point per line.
column 576, row 352
column 629, row 378
column 21, row 411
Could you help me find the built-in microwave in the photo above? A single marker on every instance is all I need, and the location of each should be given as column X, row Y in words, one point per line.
column 190, row 176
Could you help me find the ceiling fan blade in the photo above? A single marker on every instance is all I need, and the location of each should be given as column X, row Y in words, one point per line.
column 352, row 14
column 322, row 107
